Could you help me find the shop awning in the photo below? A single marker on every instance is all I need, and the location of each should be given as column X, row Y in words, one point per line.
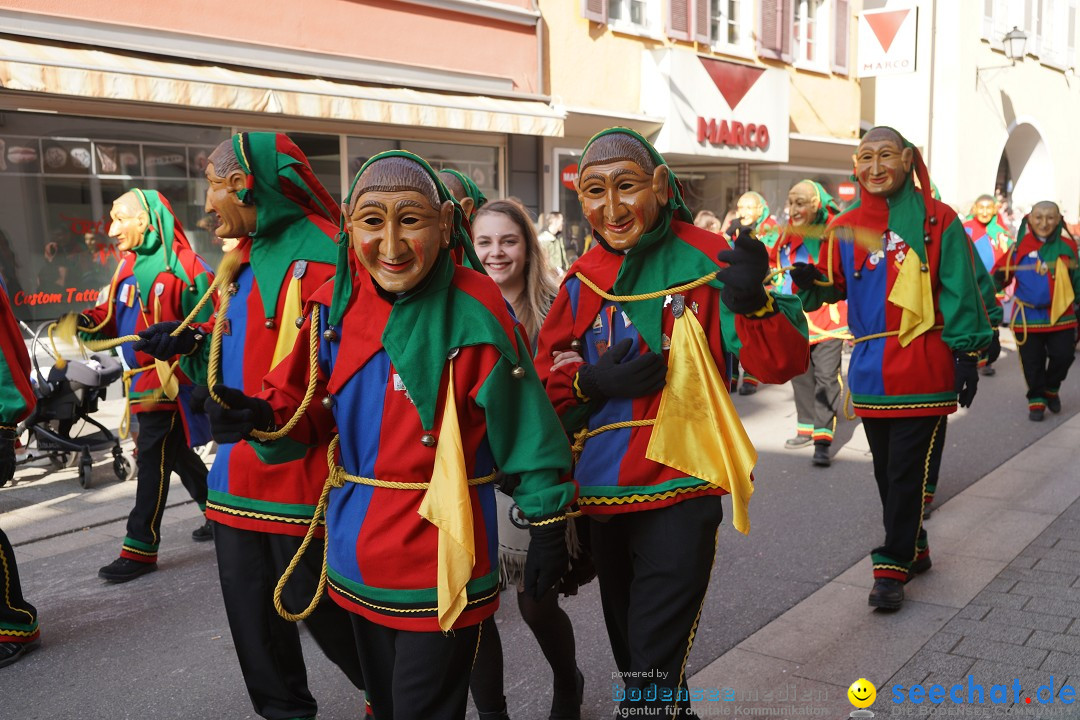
column 34, row 66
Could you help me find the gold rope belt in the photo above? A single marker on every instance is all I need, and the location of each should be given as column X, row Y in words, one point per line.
column 890, row 333
column 584, row 434
column 703, row 280
column 338, row 478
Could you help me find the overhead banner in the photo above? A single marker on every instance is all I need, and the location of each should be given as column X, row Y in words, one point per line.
column 716, row 108
column 887, row 42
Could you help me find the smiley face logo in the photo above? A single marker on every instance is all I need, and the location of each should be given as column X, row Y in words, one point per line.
column 862, row 693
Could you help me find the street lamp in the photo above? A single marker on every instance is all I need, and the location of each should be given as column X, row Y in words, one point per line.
column 1014, row 43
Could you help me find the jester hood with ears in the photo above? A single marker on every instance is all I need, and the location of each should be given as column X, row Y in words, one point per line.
column 295, row 213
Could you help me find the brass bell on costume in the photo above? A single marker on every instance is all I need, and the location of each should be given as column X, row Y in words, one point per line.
column 518, row 372
column 330, row 335
column 328, row 402
column 269, row 324
column 427, row 440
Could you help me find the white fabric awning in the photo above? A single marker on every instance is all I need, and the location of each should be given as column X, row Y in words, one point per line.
column 34, row 66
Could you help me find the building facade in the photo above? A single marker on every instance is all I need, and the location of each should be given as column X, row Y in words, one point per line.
column 99, row 96
column 985, row 124
column 737, row 94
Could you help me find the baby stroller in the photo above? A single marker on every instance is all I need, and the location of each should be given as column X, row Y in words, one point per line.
column 68, row 396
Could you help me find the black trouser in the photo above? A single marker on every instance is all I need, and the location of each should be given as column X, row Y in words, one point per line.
column 907, row 456
column 267, row 645
column 818, row 389
column 1045, row 358
column 654, row 568
column 416, row 675
column 18, row 618
column 163, row 449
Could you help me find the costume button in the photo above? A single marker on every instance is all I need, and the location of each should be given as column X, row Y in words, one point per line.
column 300, row 322
column 933, row 220
column 330, row 335
column 924, row 268
column 518, row 372
column 857, row 274
column 454, row 352
column 328, row 402
column 234, row 288
column 269, row 324
column 575, row 345
column 427, row 440
column 192, row 288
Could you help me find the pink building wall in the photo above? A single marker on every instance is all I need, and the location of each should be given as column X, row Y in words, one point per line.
column 385, row 30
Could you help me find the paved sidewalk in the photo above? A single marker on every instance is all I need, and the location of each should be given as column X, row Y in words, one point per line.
column 1002, row 603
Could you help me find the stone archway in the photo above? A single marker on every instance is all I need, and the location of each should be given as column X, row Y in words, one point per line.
column 1026, row 168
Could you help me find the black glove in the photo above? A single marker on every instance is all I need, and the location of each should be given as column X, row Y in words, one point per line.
column 157, row 341
column 803, row 275
column 7, row 454
column 967, row 377
column 994, row 350
column 745, row 274
column 244, row 415
column 1000, row 280
column 610, row 377
column 547, row 559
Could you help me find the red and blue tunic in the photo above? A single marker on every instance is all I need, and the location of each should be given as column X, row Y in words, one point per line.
column 828, row 322
column 169, row 299
column 382, row 556
column 277, row 496
column 886, row 379
column 1033, row 263
column 613, row 473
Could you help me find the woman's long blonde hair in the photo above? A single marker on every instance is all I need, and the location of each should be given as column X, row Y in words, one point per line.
column 531, row 307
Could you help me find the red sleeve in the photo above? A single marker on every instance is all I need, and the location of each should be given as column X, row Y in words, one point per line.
column 285, row 386
column 555, row 336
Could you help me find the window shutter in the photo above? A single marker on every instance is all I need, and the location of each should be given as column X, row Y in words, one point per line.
column 840, row 37
column 1070, row 56
column 703, row 21
column 678, row 20
column 774, row 40
column 988, row 20
column 595, row 10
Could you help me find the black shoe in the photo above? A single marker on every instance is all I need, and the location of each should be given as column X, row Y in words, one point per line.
column 1053, row 404
column 887, row 594
column 12, row 652
column 799, row 441
column 821, row 455
column 122, row 570
column 569, row 709
column 920, row 566
column 927, row 510
column 987, row 371
column 1036, row 415
column 747, row 389
column 203, row 533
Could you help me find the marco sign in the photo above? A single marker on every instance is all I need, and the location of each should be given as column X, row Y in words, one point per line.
column 887, row 42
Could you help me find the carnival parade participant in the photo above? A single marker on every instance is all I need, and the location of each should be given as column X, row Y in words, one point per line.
column 652, row 312
column 159, row 282
column 817, row 391
column 751, row 213
column 19, row 631
column 992, row 241
column 262, row 498
column 905, row 266
column 465, row 191
column 420, row 372
column 1044, row 263
column 509, row 251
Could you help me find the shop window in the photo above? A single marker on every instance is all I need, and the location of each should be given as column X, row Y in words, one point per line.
column 576, row 235
column 324, row 155
column 58, row 178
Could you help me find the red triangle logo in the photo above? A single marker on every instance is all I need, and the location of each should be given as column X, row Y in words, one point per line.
column 731, row 79
column 886, row 24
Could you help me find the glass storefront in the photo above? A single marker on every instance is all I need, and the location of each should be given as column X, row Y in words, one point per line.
column 59, row 175
column 58, row 178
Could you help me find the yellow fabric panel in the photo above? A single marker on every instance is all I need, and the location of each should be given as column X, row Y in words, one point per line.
column 1063, row 296
column 913, row 293
column 288, row 331
column 447, row 506
column 697, row 429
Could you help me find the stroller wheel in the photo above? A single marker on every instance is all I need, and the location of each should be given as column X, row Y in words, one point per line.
column 122, row 467
column 85, row 470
